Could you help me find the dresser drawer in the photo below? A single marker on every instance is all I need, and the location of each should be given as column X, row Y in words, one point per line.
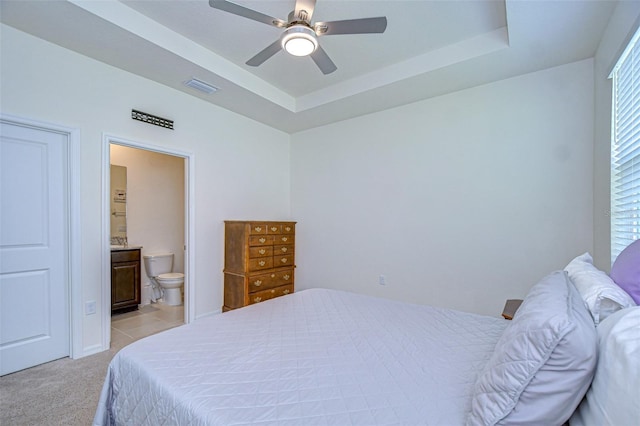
column 282, row 249
column 282, row 260
column 258, row 228
column 261, row 296
column 288, row 228
column 274, row 229
column 260, row 263
column 260, row 251
column 261, row 240
column 270, row 280
column 284, row 239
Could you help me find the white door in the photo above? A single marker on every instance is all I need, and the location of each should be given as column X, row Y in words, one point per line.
column 34, row 229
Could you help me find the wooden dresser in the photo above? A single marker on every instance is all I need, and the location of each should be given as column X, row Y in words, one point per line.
column 258, row 261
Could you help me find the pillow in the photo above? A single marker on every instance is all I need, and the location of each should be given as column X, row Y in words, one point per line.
column 602, row 296
column 542, row 364
column 613, row 396
column 626, row 270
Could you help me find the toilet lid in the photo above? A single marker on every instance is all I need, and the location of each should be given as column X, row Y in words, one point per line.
column 171, row 276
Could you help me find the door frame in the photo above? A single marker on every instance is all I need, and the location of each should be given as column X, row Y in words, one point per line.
column 73, row 224
column 189, row 232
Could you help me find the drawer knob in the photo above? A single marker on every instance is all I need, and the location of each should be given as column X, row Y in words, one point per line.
column 262, row 240
column 257, row 299
column 273, row 291
column 273, row 275
column 283, row 260
column 288, row 228
column 262, row 251
column 257, row 283
column 258, row 228
column 284, row 249
column 262, row 263
column 274, row 229
column 285, row 292
column 286, row 276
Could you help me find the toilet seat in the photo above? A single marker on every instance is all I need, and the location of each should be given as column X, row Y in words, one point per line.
column 170, row 279
column 171, row 276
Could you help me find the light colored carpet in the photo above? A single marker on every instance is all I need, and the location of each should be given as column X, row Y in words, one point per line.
column 62, row 392
column 66, row 391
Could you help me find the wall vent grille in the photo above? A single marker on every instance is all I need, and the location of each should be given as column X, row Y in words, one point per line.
column 151, row 119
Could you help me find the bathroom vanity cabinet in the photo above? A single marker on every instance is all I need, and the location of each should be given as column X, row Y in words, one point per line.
column 125, row 279
column 258, row 262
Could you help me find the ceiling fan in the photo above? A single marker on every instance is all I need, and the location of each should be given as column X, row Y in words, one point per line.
column 300, row 36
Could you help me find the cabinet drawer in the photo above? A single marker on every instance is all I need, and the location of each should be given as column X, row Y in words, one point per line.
column 288, row 228
column 264, row 251
column 261, row 240
column 258, row 229
column 125, row 255
column 282, row 260
column 270, row 280
column 274, row 229
column 260, row 263
column 261, row 296
column 284, row 239
column 278, row 250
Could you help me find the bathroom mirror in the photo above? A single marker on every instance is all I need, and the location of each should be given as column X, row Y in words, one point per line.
column 118, row 205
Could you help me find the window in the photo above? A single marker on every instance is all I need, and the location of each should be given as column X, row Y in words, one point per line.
column 625, row 150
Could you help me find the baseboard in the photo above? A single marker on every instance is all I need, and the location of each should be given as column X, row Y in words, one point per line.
column 91, row 350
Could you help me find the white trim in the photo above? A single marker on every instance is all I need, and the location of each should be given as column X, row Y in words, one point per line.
column 74, row 237
column 625, row 48
column 105, row 284
column 210, row 314
column 189, row 290
column 75, row 241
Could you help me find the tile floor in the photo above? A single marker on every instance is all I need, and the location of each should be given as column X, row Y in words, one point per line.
column 149, row 319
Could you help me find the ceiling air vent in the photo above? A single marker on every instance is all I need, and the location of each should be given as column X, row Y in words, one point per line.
column 194, row 83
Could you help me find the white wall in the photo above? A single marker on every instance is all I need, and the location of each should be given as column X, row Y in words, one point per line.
column 241, row 166
column 621, row 27
column 155, row 202
column 461, row 201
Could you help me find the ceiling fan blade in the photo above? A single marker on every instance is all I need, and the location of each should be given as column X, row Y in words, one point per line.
column 246, row 13
column 265, row 54
column 304, row 10
column 323, row 61
column 352, row 26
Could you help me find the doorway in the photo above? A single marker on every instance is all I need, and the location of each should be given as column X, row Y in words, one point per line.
column 155, row 204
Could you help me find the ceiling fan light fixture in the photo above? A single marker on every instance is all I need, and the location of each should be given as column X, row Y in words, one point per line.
column 299, row 40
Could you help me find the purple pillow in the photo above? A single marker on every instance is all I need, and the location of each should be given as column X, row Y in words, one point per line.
column 626, row 270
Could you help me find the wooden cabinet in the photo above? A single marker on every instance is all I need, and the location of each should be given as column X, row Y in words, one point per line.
column 125, row 280
column 259, row 260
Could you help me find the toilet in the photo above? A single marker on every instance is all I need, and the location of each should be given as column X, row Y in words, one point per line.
column 159, row 269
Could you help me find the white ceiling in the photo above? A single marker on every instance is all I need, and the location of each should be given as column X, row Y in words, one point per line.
column 429, row 48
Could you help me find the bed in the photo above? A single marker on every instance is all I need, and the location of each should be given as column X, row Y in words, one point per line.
column 329, row 357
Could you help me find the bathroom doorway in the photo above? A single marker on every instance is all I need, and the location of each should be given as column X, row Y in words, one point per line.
column 151, row 212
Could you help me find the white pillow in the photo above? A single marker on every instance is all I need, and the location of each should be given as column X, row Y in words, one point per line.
column 542, row 364
column 602, row 296
column 613, row 397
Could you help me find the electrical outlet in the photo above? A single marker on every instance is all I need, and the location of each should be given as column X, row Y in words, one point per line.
column 90, row 307
column 382, row 280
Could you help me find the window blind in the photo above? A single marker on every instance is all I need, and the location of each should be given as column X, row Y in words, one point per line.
column 625, row 150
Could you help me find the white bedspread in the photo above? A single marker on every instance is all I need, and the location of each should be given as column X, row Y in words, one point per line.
column 313, row 357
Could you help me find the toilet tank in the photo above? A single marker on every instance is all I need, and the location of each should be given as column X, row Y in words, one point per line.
column 159, row 263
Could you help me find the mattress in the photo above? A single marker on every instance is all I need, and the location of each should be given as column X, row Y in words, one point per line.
column 313, row 357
